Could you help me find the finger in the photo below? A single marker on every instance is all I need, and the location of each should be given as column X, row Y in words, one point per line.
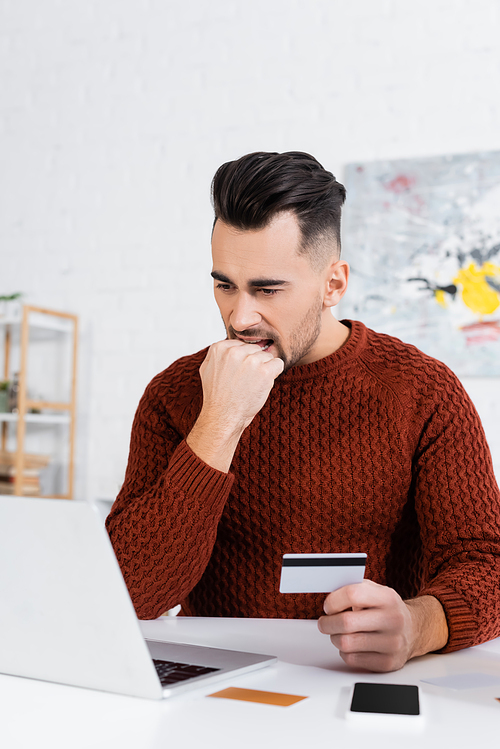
column 258, row 356
column 368, row 619
column 366, row 642
column 228, row 344
column 233, row 353
column 390, row 620
column 239, row 348
column 366, row 594
column 337, row 624
column 276, row 366
column 225, row 344
column 344, row 598
column 357, row 642
column 370, row 661
column 265, row 356
column 235, row 343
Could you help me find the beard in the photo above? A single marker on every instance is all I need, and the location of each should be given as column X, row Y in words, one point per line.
column 301, row 340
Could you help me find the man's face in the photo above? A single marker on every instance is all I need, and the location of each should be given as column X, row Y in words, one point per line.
column 266, row 292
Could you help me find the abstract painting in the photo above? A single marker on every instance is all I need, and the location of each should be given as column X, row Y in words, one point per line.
column 422, row 237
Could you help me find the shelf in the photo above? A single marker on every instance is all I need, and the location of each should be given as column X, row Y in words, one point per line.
column 42, row 321
column 63, row 418
column 38, row 421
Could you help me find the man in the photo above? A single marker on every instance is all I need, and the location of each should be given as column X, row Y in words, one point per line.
column 300, row 433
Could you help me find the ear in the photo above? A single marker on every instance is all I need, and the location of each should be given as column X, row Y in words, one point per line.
column 336, row 278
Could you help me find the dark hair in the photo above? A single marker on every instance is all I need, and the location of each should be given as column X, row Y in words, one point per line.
column 249, row 192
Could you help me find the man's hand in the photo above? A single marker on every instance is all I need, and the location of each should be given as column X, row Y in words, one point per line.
column 374, row 629
column 237, row 378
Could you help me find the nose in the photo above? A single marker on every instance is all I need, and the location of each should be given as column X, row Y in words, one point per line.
column 244, row 314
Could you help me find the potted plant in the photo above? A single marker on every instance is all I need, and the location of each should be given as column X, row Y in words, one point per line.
column 4, row 395
column 10, row 306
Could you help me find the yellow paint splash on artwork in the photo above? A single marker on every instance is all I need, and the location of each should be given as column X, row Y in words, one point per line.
column 477, row 294
column 440, row 298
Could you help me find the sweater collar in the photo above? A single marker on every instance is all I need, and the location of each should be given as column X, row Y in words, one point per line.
column 348, row 351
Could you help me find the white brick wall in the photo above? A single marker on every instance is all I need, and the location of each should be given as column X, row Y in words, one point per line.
column 114, row 116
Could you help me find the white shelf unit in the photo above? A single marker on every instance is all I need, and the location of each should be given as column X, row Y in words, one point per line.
column 36, row 418
column 37, row 324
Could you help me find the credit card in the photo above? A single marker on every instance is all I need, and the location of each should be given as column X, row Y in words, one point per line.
column 320, row 573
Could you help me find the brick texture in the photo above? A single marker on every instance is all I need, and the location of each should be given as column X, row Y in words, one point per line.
column 115, row 115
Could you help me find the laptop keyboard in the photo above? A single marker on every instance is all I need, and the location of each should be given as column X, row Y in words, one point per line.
column 171, row 672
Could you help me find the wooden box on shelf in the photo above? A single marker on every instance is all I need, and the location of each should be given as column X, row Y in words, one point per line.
column 20, row 471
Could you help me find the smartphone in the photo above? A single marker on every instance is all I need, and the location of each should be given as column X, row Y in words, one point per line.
column 390, row 704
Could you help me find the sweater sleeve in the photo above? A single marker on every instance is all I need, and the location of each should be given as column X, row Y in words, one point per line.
column 458, row 506
column 163, row 524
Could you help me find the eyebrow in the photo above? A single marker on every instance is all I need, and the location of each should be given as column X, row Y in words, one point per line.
column 254, row 283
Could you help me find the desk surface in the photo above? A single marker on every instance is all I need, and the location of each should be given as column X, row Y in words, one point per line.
column 39, row 714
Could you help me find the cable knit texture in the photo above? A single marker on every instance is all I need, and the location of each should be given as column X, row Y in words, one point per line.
column 376, row 448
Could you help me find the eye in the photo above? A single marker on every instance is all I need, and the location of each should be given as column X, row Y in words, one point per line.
column 269, row 292
column 223, row 287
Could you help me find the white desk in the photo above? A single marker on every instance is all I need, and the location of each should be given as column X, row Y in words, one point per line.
column 38, row 714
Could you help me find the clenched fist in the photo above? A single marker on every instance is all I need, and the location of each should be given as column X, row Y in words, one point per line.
column 236, row 378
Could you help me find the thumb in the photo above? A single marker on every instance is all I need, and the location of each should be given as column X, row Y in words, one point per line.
column 277, row 366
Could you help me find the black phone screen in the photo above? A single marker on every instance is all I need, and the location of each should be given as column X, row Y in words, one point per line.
column 395, row 699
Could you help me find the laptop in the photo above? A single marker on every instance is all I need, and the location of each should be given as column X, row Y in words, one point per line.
column 66, row 615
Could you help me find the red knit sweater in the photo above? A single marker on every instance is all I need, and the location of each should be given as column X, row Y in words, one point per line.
column 376, row 448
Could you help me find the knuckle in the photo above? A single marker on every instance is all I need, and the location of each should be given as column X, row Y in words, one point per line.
column 399, row 620
column 355, row 594
column 350, row 659
column 348, row 621
column 392, row 595
column 399, row 643
column 346, row 643
column 391, row 663
column 323, row 624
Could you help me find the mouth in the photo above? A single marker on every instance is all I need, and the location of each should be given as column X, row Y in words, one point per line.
column 264, row 343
